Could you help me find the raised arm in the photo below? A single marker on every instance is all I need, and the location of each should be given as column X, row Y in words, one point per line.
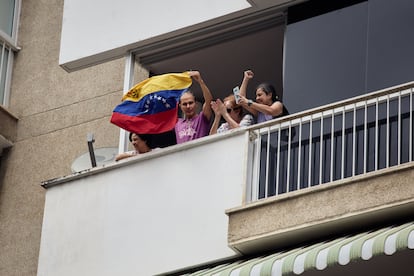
column 248, row 75
column 206, row 93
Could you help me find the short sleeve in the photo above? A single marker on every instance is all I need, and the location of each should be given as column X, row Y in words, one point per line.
column 247, row 120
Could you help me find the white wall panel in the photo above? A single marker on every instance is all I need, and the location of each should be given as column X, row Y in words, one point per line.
column 146, row 216
column 92, row 27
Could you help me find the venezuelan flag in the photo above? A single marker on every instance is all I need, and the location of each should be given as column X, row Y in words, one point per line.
column 150, row 107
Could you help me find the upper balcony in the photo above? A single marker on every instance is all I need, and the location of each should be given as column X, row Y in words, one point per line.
column 8, row 130
column 320, row 173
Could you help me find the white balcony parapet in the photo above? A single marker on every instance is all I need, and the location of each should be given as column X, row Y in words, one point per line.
column 146, row 215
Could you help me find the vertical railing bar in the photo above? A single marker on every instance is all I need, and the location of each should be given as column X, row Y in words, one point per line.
column 278, row 160
column 388, row 133
column 288, row 159
column 332, row 142
column 320, row 151
column 399, row 129
column 255, row 189
column 310, row 151
column 343, row 145
column 267, row 163
column 354, row 142
column 376, row 151
column 365, row 135
column 299, row 152
column 410, row 157
column 250, row 173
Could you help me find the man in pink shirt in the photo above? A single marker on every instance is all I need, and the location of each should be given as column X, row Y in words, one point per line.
column 194, row 125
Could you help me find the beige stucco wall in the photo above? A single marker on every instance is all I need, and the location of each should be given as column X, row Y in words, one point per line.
column 56, row 110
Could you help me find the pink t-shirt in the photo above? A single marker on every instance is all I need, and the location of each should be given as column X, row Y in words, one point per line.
column 190, row 129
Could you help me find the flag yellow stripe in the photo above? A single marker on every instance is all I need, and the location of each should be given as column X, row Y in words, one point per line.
column 173, row 81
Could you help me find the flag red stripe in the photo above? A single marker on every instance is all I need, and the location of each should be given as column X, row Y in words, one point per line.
column 146, row 124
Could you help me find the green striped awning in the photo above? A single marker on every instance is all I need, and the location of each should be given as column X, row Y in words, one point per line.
column 321, row 255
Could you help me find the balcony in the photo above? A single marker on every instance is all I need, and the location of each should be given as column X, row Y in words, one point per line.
column 340, row 168
column 320, row 173
column 8, row 130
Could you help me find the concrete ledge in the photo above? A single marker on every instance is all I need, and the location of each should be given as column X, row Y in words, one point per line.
column 143, row 157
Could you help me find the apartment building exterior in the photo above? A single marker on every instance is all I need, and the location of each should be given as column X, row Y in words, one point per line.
column 324, row 191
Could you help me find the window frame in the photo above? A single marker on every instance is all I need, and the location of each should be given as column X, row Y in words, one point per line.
column 8, row 47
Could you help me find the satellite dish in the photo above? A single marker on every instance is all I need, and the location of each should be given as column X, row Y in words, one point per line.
column 102, row 156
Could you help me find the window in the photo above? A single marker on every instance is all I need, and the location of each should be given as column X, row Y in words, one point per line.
column 9, row 10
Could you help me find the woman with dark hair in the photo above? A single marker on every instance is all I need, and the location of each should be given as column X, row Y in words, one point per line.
column 231, row 112
column 141, row 143
column 267, row 105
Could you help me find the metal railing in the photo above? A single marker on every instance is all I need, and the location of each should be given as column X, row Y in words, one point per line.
column 336, row 141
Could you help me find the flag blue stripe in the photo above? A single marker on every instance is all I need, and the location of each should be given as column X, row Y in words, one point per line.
column 152, row 103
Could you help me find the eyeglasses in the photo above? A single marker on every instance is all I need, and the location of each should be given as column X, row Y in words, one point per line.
column 234, row 109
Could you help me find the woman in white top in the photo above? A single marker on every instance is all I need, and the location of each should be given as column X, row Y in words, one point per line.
column 231, row 112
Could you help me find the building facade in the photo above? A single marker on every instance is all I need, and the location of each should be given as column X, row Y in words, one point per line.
column 264, row 198
column 44, row 124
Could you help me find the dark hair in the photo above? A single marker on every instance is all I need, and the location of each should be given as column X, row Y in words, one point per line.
column 144, row 137
column 268, row 88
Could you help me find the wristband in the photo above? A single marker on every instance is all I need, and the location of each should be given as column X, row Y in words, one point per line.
column 249, row 102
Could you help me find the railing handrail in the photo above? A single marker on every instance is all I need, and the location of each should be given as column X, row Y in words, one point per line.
column 332, row 106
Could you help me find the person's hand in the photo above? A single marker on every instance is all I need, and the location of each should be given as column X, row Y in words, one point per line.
column 243, row 101
column 248, row 74
column 218, row 107
column 195, row 75
column 215, row 108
